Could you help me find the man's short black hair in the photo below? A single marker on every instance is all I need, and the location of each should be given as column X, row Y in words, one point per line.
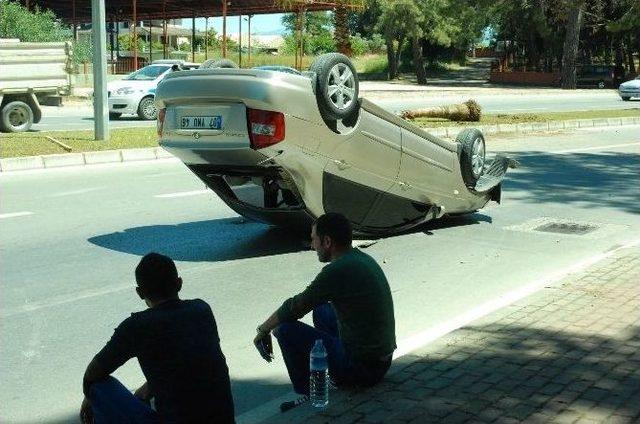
column 157, row 276
column 336, row 226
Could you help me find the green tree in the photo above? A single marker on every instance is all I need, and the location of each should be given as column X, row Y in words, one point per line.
column 212, row 38
column 313, row 23
column 399, row 21
column 33, row 26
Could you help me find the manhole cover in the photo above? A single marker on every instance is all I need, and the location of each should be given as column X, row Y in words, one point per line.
column 566, row 228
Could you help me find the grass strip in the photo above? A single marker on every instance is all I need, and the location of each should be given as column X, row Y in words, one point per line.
column 36, row 143
column 521, row 118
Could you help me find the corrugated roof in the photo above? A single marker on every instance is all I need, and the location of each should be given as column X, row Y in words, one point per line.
column 121, row 10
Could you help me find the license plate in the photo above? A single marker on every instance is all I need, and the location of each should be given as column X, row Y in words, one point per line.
column 201, row 122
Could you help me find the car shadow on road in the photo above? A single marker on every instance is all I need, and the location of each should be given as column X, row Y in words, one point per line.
column 213, row 240
column 604, row 179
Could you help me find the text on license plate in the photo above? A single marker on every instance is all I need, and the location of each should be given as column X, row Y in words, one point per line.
column 201, row 122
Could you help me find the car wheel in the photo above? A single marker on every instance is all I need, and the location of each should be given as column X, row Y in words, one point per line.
column 601, row 84
column 218, row 63
column 16, row 116
column 626, row 99
column 147, row 109
column 337, row 86
column 472, row 158
column 114, row 115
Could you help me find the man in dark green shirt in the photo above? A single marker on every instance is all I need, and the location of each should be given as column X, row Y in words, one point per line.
column 352, row 313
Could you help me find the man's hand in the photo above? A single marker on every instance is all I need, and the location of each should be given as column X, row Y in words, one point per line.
column 263, row 343
column 86, row 413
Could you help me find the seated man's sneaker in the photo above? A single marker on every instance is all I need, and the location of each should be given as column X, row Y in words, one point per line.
column 285, row 406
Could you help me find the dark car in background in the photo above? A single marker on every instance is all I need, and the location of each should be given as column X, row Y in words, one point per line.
column 601, row 76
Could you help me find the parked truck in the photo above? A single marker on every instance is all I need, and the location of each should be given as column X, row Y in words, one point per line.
column 30, row 73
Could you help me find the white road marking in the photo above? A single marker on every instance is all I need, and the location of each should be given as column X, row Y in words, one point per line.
column 73, row 192
column 14, row 214
column 61, row 300
column 419, row 340
column 586, row 149
column 183, row 194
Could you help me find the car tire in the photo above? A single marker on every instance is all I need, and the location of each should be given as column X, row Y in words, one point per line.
column 114, row 115
column 16, row 116
column 147, row 109
column 472, row 157
column 601, row 84
column 336, row 99
column 218, row 63
column 626, row 99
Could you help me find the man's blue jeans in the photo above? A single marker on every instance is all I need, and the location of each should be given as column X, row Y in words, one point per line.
column 111, row 402
column 296, row 340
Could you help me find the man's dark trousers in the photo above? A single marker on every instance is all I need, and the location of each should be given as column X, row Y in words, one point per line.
column 296, row 339
column 111, row 402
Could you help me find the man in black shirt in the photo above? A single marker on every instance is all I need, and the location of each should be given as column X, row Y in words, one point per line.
column 178, row 348
column 352, row 314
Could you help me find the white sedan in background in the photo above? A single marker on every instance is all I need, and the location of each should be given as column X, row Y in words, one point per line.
column 135, row 93
column 630, row 89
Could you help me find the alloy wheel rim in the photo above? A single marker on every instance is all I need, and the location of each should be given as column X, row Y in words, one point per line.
column 149, row 108
column 341, row 85
column 477, row 157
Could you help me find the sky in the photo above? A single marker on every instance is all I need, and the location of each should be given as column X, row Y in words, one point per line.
column 260, row 24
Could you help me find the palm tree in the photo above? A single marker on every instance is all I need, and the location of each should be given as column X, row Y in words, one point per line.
column 340, row 16
column 341, row 25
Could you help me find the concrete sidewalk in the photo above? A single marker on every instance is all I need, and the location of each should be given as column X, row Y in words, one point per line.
column 567, row 354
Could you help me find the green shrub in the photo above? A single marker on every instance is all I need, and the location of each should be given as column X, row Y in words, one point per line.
column 377, row 44
column 359, row 45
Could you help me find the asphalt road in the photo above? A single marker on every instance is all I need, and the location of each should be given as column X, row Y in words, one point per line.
column 79, row 117
column 70, row 239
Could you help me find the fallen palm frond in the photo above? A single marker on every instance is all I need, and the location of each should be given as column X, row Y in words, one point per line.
column 59, row 143
column 467, row 111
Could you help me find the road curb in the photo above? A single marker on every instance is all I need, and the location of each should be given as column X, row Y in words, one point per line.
column 27, row 163
column 154, row 153
column 532, row 127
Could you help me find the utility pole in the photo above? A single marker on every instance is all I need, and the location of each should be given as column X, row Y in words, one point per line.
column 100, row 106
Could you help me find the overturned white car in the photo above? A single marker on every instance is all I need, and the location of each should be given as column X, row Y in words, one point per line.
column 283, row 149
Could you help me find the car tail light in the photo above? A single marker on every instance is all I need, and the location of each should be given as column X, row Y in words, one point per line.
column 160, row 122
column 265, row 127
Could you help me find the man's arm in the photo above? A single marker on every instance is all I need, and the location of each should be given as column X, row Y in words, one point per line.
column 95, row 372
column 271, row 323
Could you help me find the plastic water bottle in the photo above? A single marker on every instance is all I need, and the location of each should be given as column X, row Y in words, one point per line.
column 319, row 378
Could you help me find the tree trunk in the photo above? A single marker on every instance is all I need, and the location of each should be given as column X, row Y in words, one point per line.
column 632, row 65
column 341, row 21
column 398, row 53
column 418, row 63
column 571, row 44
column 391, row 59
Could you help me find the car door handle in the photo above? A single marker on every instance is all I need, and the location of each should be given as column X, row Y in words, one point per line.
column 342, row 165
